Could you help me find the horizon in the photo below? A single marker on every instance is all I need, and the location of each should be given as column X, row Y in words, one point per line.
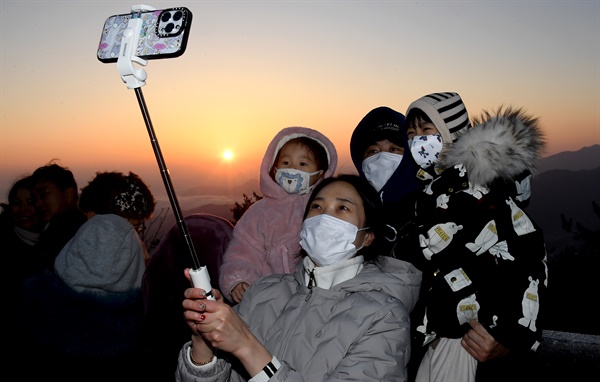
column 229, row 194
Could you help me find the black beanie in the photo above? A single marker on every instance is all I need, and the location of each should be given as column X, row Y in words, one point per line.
column 380, row 123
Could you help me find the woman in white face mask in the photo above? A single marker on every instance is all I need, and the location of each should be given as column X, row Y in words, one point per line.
column 335, row 233
column 343, row 314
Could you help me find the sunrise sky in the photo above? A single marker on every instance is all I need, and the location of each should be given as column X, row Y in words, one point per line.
column 252, row 68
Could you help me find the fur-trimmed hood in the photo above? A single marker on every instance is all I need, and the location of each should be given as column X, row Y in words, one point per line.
column 500, row 145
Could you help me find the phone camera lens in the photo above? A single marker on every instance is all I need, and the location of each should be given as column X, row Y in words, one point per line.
column 165, row 17
column 178, row 15
column 169, row 28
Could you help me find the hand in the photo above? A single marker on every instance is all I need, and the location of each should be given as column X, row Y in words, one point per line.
column 198, row 297
column 220, row 327
column 215, row 321
column 201, row 347
column 480, row 344
column 238, row 291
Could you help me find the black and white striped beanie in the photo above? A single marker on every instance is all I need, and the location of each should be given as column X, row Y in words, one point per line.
column 447, row 112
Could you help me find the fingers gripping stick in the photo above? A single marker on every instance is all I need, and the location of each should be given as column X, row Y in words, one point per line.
column 201, row 279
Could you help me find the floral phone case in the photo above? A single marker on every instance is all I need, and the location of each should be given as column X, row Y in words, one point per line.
column 164, row 34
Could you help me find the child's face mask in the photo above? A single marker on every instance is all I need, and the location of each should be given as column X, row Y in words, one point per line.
column 294, row 181
column 379, row 168
column 426, row 149
column 328, row 239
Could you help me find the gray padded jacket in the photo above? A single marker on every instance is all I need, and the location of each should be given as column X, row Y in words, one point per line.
column 359, row 330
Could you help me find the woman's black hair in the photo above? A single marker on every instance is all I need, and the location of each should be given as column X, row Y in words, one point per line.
column 23, row 183
column 61, row 176
column 372, row 205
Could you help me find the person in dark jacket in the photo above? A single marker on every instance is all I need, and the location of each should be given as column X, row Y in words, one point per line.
column 483, row 257
column 380, row 153
column 89, row 307
column 20, row 229
column 20, row 226
column 86, row 316
column 56, row 196
column 343, row 314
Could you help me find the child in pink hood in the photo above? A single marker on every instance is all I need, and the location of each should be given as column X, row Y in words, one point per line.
column 266, row 239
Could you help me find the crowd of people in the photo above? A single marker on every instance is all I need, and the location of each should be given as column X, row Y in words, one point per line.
column 421, row 266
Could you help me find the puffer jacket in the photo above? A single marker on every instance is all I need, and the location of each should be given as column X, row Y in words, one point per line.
column 482, row 256
column 356, row 331
column 266, row 239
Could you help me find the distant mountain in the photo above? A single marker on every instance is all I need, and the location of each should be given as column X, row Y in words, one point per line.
column 586, row 158
column 571, row 193
column 235, row 191
column 566, row 183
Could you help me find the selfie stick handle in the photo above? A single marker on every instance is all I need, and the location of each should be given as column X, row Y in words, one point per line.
column 135, row 79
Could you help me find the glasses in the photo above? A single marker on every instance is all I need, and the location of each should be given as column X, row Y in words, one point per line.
column 140, row 227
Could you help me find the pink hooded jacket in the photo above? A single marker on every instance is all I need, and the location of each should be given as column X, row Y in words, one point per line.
column 266, row 239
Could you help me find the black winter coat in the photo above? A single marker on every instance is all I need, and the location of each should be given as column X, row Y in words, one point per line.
column 482, row 256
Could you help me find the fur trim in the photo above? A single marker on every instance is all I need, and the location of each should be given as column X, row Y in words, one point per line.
column 500, row 145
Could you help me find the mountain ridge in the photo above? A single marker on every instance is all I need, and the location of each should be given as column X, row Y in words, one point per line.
column 586, row 158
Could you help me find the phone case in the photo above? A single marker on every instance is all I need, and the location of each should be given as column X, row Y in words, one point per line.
column 164, row 34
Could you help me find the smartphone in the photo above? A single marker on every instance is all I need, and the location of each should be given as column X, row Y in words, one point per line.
column 164, row 34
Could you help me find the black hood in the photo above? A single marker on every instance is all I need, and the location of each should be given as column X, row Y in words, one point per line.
column 385, row 123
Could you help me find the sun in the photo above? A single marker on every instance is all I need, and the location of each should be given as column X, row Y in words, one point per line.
column 227, row 155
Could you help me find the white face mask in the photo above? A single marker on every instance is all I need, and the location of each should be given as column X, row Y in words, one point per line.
column 327, row 239
column 426, row 149
column 294, row 181
column 379, row 168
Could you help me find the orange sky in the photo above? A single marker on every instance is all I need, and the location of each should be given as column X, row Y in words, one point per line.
column 252, row 68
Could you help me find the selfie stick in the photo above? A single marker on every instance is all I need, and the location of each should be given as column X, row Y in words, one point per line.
column 135, row 78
